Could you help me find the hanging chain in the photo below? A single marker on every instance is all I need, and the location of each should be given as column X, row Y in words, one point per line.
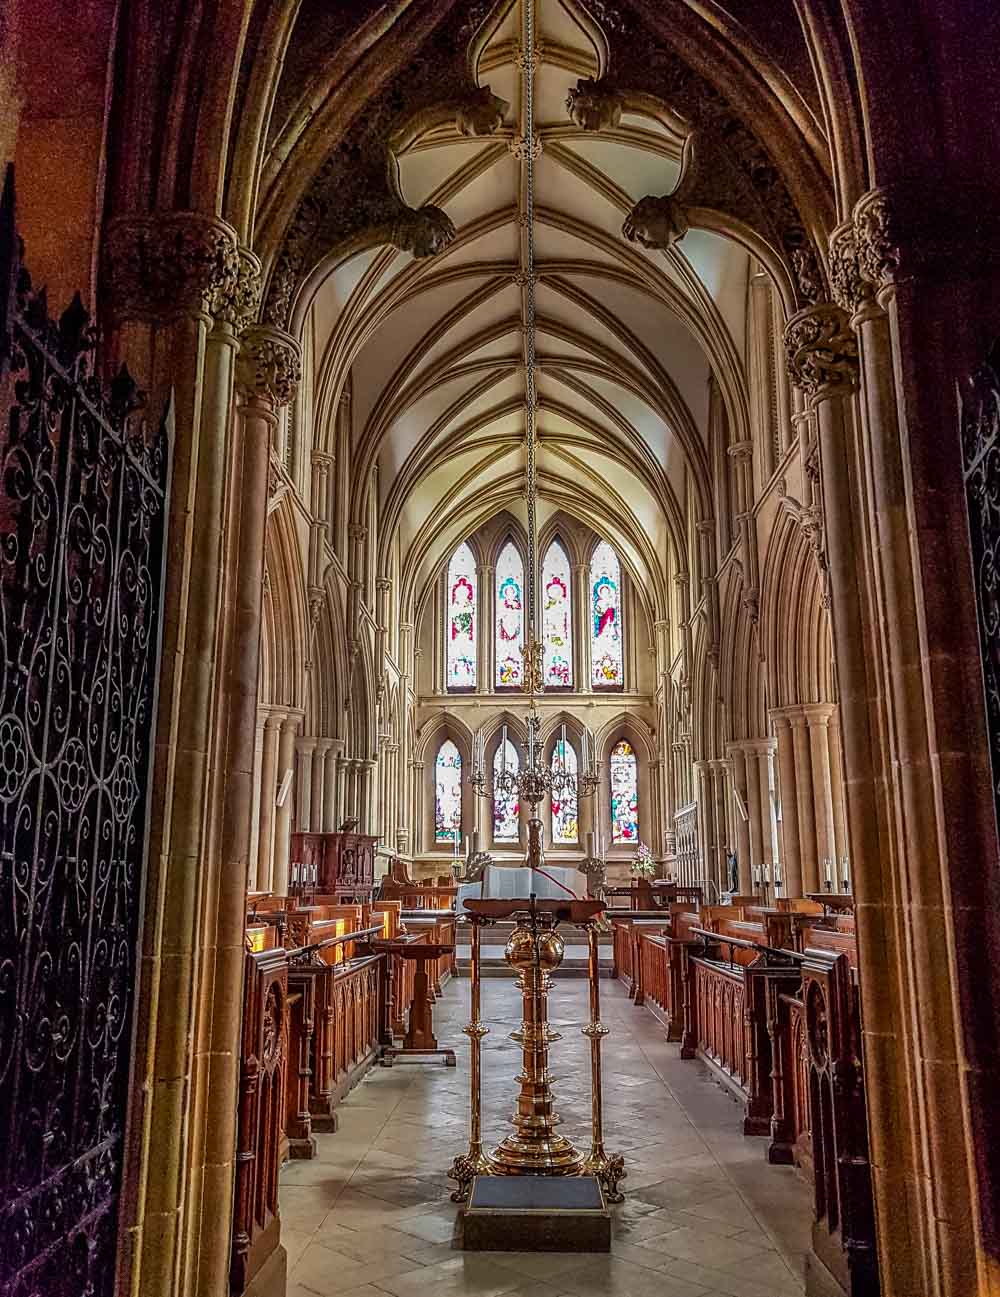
column 529, row 65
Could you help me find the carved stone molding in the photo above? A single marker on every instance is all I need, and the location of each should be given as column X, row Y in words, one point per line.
column 269, row 365
column 170, row 263
column 522, row 148
column 655, row 222
column 593, row 106
column 821, row 351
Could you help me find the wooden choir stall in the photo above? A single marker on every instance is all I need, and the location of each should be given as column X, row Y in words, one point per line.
column 329, row 990
column 767, row 997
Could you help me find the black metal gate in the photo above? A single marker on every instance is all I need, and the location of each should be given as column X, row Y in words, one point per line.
column 82, row 502
column 980, row 415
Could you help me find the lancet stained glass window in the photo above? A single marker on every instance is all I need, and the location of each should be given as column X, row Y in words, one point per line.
column 448, row 793
column 606, row 616
column 624, row 794
column 557, row 635
column 461, row 623
column 505, row 806
column 564, row 804
column 510, row 618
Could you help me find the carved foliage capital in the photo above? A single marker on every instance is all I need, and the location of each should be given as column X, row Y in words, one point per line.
column 170, row 263
column 821, row 350
column 879, row 252
column 270, row 365
column 847, row 285
column 237, row 299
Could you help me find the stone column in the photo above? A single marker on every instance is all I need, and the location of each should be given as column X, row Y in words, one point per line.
column 769, row 829
column 330, row 809
column 805, row 797
column 581, row 627
column 283, row 813
column 343, row 770
column 791, row 858
column 366, row 795
column 704, row 819
column 419, row 806
column 317, row 810
column 755, row 807
column 487, row 628
column 818, row 718
column 268, row 791
column 741, row 782
column 305, row 748
column 841, row 848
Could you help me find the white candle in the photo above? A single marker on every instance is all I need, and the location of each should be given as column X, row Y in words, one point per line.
column 828, row 865
column 465, row 845
column 590, row 843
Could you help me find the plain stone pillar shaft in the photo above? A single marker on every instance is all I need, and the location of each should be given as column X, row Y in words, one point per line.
column 806, row 806
column 268, row 789
column 283, row 813
column 304, row 784
column 330, row 791
column 743, row 848
column 791, row 857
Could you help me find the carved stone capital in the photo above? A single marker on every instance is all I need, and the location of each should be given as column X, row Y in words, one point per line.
column 237, row 301
column 170, row 263
column 879, row 253
column 656, row 222
column 847, row 284
column 269, row 367
column 821, row 351
column 594, row 106
column 741, row 451
column 422, row 231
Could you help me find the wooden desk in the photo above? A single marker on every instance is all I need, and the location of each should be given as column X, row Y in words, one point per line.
column 419, row 1040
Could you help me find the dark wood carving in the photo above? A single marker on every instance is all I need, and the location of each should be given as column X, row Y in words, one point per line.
column 256, row 1225
column 82, row 495
column 344, row 864
column 844, row 1229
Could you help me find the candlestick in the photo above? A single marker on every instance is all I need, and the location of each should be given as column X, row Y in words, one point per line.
column 828, row 867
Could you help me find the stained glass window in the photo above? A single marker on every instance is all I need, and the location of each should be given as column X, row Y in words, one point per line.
column 510, row 618
column 557, row 636
column 606, row 616
column 505, row 807
column 448, row 793
column 564, row 808
column 461, row 623
column 624, row 794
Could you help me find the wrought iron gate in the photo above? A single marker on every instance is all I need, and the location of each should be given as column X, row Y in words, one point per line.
column 82, row 503
column 980, row 422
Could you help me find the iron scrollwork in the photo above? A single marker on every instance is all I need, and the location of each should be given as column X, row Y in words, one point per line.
column 980, row 428
column 82, row 507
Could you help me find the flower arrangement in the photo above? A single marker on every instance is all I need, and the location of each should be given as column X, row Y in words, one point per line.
column 643, row 866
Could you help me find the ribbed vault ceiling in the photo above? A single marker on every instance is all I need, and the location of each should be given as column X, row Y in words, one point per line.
column 626, row 336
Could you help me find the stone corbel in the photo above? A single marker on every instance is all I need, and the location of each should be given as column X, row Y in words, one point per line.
column 656, row 222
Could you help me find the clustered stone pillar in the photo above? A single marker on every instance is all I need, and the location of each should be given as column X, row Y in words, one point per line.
column 751, row 763
column 811, row 795
column 283, row 813
column 268, row 792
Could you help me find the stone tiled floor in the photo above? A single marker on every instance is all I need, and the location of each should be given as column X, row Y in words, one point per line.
column 704, row 1215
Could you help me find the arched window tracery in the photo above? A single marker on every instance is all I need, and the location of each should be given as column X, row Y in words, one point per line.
column 509, row 639
column 565, row 828
column 448, row 793
column 607, row 667
column 624, row 794
column 505, row 803
column 557, row 632
column 461, row 624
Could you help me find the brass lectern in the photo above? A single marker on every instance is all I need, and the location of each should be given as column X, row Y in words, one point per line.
column 535, row 950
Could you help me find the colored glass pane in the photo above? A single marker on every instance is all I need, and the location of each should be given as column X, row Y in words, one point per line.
column 505, row 806
column 510, row 618
column 564, row 800
column 448, row 793
column 606, row 617
column 461, row 621
column 624, row 794
column 557, row 636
